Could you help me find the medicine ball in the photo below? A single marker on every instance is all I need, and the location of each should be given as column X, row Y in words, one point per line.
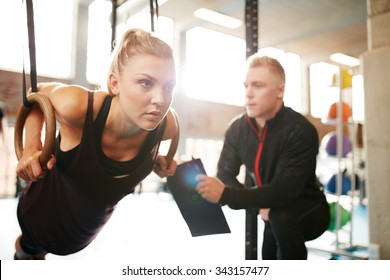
column 346, row 111
column 345, row 216
column 346, row 184
column 331, row 145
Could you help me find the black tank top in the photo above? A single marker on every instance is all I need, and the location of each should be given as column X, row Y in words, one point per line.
column 66, row 209
column 115, row 168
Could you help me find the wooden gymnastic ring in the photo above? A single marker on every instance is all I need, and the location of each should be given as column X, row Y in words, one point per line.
column 50, row 123
column 175, row 140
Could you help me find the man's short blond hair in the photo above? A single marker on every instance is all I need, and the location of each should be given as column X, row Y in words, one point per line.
column 257, row 60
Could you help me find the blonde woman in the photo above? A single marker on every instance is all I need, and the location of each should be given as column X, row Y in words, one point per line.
column 107, row 143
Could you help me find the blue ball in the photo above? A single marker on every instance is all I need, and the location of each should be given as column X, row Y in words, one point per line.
column 346, row 184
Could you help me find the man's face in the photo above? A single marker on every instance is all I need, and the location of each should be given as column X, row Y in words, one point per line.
column 264, row 92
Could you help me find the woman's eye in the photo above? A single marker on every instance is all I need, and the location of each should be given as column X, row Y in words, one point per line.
column 146, row 83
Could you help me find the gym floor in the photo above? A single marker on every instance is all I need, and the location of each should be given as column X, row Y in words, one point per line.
column 148, row 226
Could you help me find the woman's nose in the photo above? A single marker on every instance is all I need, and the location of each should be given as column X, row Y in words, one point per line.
column 158, row 97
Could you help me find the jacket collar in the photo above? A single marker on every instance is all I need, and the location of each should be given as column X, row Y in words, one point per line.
column 270, row 122
column 279, row 115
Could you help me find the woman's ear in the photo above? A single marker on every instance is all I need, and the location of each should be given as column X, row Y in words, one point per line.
column 113, row 83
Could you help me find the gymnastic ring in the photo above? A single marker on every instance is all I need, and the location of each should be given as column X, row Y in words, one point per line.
column 175, row 140
column 50, row 123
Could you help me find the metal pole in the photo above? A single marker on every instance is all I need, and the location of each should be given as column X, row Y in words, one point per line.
column 251, row 32
column 339, row 149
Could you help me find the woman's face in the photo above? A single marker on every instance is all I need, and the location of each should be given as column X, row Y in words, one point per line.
column 145, row 89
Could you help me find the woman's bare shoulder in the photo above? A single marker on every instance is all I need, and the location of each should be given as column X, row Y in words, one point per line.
column 70, row 103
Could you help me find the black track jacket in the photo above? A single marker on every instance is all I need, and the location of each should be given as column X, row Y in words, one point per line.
column 277, row 173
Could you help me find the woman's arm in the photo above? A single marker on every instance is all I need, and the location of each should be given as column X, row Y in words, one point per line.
column 69, row 102
column 69, row 105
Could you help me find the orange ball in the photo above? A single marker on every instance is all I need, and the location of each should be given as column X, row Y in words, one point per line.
column 346, row 111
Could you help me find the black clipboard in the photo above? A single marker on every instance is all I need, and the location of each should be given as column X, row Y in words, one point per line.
column 201, row 216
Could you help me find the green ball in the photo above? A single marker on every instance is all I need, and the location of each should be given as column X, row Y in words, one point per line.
column 345, row 216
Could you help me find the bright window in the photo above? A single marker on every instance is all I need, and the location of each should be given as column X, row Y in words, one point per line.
column 99, row 35
column 99, row 41
column 206, row 149
column 215, row 68
column 163, row 29
column 215, row 65
column 322, row 93
column 292, row 67
column 53, row 36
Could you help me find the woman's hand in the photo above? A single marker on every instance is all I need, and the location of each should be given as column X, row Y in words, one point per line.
column 29, row 167
column 210, row 188
column 161, row 167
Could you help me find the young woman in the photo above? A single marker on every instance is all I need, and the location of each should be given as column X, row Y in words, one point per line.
column 107, row 143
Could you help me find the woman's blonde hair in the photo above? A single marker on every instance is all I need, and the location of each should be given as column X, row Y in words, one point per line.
column 137, row 42
column 265, row 61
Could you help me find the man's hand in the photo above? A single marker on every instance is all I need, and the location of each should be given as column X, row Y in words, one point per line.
column 210, row 188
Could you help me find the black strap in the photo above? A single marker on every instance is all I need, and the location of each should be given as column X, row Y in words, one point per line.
column 153, row 12
column 33, row 68
column 113, row 22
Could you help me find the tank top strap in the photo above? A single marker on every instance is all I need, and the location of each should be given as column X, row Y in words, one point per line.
column 89, row 117
column 67, row 158
column 102, row 115
column 88, row 125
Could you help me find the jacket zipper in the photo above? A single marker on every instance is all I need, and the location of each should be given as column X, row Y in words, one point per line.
column 261, row 137
column 258, row 156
